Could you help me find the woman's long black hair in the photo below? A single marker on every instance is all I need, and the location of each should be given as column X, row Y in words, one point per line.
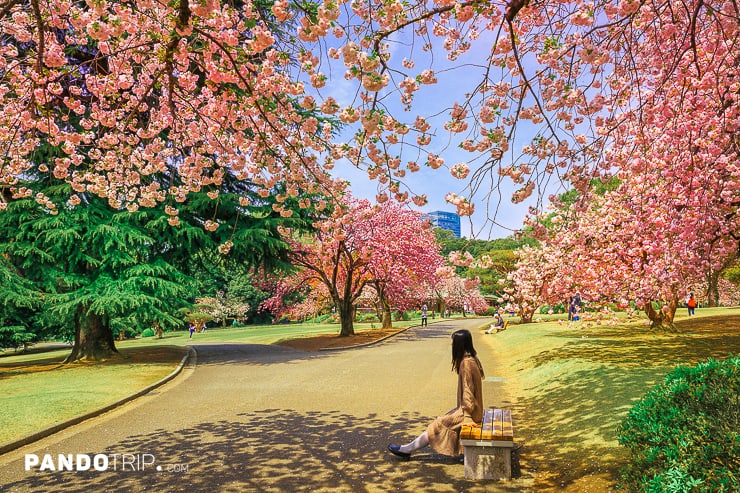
column 462, row 345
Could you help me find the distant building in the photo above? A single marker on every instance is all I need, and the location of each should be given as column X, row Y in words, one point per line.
column 445, row 220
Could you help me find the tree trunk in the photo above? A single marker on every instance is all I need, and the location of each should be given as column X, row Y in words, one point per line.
column 662, row 319
column 441, row 307
column 387, row 319
column 713, row 288
column 93, row 338
column 383, row 307
column 379, row 310
column 346, row 318
column 525, row 316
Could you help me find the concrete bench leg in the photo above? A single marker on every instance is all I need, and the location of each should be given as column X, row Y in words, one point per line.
column 488, row 462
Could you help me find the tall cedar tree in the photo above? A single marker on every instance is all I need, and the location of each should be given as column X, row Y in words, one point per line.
column 94, row 268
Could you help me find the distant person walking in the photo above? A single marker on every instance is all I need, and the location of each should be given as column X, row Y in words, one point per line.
column 574, row 307
column 691, row 304
column 424, row 315
column 443, row 434
column 192, row 329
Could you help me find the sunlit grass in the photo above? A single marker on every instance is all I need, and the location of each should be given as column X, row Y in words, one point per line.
column 38, row 392
column 571, row 384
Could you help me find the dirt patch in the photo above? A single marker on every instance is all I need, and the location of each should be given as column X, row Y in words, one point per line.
column 317, row 343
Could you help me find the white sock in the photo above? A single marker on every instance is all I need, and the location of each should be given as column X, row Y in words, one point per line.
column 419, row 442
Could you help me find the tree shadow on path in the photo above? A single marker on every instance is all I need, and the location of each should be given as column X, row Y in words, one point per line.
column 273, row 450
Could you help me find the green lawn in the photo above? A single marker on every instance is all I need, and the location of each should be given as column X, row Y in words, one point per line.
column 38, row 392
column 261, row 334
column 571, row 385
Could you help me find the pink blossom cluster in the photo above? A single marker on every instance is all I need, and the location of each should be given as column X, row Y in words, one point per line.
column 463, row 205
column 199, row 87
column 140, row 110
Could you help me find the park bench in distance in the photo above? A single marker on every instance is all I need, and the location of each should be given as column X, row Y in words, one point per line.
column 498, row 329
column 488, row 446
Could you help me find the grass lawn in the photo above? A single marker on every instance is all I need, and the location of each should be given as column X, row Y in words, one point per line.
column 570, row 386
column 37, row 391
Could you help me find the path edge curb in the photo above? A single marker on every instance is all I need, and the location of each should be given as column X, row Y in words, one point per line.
column 16, row 444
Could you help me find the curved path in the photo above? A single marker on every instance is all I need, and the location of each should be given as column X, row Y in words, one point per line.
column 244, row 418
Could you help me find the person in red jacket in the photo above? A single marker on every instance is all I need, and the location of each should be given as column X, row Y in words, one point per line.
column 691, row 303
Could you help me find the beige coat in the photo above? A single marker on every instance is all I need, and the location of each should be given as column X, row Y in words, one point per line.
column 444, row 431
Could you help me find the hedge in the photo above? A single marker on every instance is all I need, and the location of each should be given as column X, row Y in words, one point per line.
column 684, row 435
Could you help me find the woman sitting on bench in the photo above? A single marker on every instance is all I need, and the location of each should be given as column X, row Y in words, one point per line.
column 443, row 434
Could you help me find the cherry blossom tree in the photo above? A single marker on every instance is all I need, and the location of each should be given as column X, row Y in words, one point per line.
column 404, row 257
column 338, row 257
column 296, row 296
column 134, row 94
column 127, row 92
column 449, row 290
column 636, row 241
column 222, row 307
column 387, row 247
column 530, row 281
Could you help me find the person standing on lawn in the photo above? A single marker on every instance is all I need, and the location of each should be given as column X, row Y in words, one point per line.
column 691, row 303
column 424, row 315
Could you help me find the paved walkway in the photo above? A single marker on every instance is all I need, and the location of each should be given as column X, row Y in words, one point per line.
column 243, row 418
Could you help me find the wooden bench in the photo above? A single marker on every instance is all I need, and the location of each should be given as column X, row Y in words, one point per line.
column 495, row 330
column 488, row 446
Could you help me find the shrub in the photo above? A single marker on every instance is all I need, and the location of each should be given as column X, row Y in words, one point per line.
column 15, row 336
column 399, row 315
column 367, row 317
column 149, row 332
column 320, row 319
column 684, row 435
column 491, row 311
column 130, row 332
column 545, row 309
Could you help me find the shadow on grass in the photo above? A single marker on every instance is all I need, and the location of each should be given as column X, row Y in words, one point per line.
column 273, row 450
column 590, row 386
column 698, row 340
column 126, row 356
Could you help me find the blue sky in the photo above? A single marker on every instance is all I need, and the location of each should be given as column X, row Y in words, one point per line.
column 495, row 215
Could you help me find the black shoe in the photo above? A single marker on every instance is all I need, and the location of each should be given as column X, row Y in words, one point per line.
column 394, row 449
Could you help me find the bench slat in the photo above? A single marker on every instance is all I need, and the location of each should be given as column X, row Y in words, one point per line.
column 469, row 432
column 496, row 425
column 487, row 426
column 507, row 431
column 497, row 413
